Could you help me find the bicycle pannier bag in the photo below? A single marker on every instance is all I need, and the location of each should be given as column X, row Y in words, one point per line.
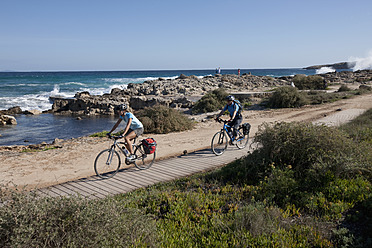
column 149, row 145
column 246, row 128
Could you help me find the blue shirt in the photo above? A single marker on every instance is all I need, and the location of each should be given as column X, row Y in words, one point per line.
column 231, row 108
column 135, row 122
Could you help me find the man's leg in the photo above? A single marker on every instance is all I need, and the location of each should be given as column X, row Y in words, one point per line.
column 236, row 123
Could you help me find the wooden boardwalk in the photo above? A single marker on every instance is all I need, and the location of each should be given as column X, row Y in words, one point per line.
column 130, row 179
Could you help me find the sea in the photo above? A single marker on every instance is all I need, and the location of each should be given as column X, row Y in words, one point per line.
column 32, row 90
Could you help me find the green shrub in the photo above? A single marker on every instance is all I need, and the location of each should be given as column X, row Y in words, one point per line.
column 316, row 97
column 312, row 150
column 161, row 119
column 30, row 221
column 287, row 97
column 344, row 88
column 99, row 134
column 312, row 82
column 210, row 102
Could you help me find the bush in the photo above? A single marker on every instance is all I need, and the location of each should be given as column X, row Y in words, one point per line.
column 311, row 150
column 344, row 88
column 161, row 119
column 211, row 102
column 312, row 82
column 30, row 221
column 287, row 97
column 296, row 161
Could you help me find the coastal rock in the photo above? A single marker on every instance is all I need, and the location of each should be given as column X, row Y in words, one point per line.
column 32, row 112
column 176, row 93
column 12, row 111
column 7, row 120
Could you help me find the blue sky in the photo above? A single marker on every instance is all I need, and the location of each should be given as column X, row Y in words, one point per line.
column 134, row 35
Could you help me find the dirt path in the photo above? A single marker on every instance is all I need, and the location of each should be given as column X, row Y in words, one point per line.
column 75, row 159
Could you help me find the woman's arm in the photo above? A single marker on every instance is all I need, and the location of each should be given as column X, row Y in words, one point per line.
column 128, row 126
column 115, row 126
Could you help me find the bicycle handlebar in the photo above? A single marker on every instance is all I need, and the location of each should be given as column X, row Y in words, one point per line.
column 222, row 120
column 114, row 137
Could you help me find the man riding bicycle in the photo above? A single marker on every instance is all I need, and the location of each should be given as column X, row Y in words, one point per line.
column 236, row 117
column 133, row 127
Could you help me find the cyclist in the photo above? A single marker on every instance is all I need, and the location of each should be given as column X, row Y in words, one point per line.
column 236, row 117
column 133, row 128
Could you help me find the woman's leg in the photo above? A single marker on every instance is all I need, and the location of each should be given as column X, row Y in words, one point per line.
column 128, row 139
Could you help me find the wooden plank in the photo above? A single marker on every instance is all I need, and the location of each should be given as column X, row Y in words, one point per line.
column 78, row 190
column 130, row 180
column 161, row 176
column 57, row 191
column 166, row 173
column 172, row 165
column 65, row 189
column 104, row 186
column 120, row 186
column 95, row 187
column 91, row 189
column 48, row 192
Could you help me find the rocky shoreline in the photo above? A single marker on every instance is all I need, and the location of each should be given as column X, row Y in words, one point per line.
column 180, row 93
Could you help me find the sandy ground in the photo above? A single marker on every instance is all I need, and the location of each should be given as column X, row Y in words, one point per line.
column 75, row 159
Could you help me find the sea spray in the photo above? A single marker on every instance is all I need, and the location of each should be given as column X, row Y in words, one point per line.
column 325, row 70
column 362, row 63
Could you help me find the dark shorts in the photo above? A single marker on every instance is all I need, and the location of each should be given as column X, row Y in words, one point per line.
column 137, row 131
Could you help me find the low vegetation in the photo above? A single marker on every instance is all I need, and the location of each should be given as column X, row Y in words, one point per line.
column 212, row 101
column 290, row 97
column 304, row 186
column 287, row 97
column 312, row 82
column 161, row 119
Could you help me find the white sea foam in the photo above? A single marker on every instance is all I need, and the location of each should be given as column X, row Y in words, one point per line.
column 134, row 80
column 325, row 70
column 362, row 63
column 34, row 101
column 74, row 83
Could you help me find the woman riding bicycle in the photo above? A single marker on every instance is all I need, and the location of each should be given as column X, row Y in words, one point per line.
column 133, row 127
column 236, row 117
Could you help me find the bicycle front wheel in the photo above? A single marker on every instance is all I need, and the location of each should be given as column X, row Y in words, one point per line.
column 219, row 143
column 107, row 163
column 242, row 140
column 143, row 161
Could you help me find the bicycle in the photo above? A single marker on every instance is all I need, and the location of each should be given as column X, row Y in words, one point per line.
column 220, row 141
column 107, row 162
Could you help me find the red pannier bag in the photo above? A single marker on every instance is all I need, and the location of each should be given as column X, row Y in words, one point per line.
column 149, row 145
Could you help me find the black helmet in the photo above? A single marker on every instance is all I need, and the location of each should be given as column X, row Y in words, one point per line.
column 121, row 107
column 230, row 98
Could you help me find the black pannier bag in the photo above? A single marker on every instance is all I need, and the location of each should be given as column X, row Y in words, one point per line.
column 246, row 128
column 149, row 145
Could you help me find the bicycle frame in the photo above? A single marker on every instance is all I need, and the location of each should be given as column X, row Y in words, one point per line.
column 225, row 129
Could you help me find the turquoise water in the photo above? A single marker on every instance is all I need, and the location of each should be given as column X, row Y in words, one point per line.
column 31, row 90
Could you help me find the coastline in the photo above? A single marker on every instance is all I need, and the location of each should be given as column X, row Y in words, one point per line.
column 75, row 158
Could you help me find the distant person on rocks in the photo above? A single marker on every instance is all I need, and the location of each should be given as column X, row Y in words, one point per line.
column 239, row 72
column 236, row 117
column 133, row 129
column 219, row 70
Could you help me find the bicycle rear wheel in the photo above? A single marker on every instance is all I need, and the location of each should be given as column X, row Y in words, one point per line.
column 107, row 163
column 219, row 143
column 143, row 161
column 242, row 139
